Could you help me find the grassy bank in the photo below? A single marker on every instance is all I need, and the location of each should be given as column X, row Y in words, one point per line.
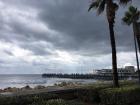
column 97, row 94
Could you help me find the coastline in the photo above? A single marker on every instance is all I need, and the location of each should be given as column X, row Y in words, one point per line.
column 20, row 81
column 38, row 89
column 99, row 94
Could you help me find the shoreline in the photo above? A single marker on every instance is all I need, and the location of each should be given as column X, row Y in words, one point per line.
column 56, row 87
column 98, row 93
column 39, row 88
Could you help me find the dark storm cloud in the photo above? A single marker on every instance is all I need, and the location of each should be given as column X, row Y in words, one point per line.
column 38, row 48
column 72, row 19
column 80, row 31
column 88, row 32
column 51, row 35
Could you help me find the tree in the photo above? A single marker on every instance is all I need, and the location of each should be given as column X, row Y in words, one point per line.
column 131, row 17
column 111, row 8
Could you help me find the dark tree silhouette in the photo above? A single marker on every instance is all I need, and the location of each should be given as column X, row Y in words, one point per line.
column 131, row 17
column 111, row 8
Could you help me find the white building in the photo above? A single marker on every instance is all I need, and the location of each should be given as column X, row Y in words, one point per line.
column 127, row 71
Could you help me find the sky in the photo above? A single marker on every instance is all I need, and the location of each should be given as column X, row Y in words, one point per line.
column 60, row 36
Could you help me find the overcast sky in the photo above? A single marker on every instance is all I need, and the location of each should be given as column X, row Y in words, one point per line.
column 53, row 36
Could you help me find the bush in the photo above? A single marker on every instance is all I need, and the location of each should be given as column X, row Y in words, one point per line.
column 56, row 102
column 51, row 102
column 90, row 93
column 99, row 94
column 27, row 99
column 127, row 95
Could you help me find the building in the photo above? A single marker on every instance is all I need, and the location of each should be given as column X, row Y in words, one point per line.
column 126, row 71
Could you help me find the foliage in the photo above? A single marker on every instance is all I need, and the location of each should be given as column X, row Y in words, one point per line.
column 26, row 99
column 51, row 102
column 102, row 94
column 56, row 102
column 127, row 95
column 90, row 93
column 111, row 6
column 100, row 5
column 131, row 16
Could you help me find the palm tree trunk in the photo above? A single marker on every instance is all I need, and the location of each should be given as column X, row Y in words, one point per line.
column 136, row 26
column 136, row 51
column 111, row 12
column 114, row 57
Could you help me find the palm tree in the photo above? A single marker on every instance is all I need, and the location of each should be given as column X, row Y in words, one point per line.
column 111, row 8
column 131, row 17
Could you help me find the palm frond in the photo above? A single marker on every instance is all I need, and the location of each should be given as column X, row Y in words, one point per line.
column 116, row 6
column 133, row 10
column 124, row 2
column 126, row 20
column 128, row 14
column 132, row 15
column 94, row 4
column 101, row 7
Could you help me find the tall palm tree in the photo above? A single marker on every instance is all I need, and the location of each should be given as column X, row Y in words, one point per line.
column 111, row 8
column 131, row 17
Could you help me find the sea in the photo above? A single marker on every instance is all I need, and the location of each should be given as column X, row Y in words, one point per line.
column 19, row 81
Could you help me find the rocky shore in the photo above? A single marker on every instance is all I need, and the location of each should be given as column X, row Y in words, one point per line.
column 37, row 89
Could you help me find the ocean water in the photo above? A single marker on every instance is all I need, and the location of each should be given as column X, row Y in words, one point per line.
column 33, row 80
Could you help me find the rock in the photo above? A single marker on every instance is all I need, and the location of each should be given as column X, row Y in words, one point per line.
column 39, row 87
column 26, row 88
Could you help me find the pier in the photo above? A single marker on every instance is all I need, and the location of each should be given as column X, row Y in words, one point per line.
column 86, row 76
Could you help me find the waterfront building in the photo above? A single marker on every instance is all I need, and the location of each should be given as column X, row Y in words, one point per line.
column 126, row 71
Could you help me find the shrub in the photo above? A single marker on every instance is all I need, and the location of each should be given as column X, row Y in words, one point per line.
column 56, row 102
column 127, row 95
column 51, row 102
column 90, row 93
column 27, row 99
